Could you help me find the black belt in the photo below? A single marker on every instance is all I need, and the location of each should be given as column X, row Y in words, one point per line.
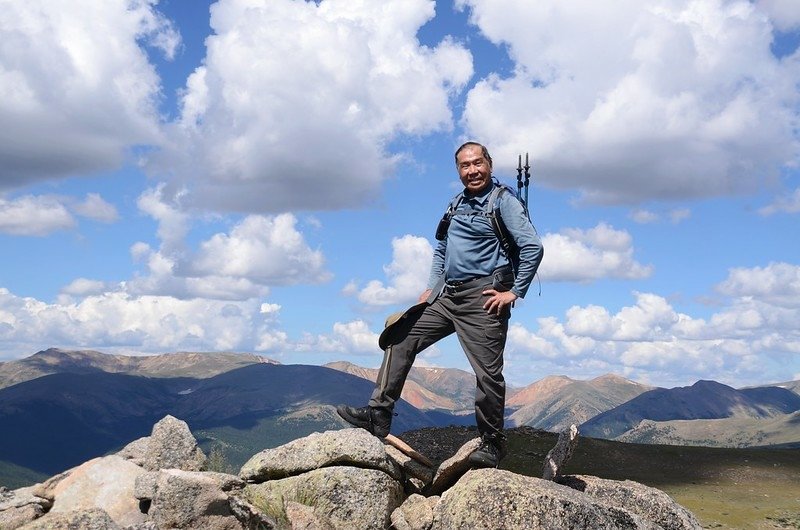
column 456, row 286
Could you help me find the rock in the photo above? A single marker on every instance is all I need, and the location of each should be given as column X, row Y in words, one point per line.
column 136, row 451
column 650, row 503
column 410, row 467
column 559, row 455
column 15, row 517
column 354, row 447
column 172, row 446
column 302, row 517
column 491, row 498
column 189, row 499
column 21, row 506
column 249, row 516
column 45, row 489
column 416, row 513
column 347, row 497
column 146, row 485
column 92, row 519
column 106, row 483
column 453, row 468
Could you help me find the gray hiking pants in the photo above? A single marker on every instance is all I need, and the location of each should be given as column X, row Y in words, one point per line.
column 482, row 336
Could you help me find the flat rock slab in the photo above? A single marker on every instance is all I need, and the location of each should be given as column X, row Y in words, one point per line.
column 352, row 447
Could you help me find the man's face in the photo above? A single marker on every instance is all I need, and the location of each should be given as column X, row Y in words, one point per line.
column 473, row 168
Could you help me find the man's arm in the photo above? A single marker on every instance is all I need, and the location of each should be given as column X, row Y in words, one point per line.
column 527, row 240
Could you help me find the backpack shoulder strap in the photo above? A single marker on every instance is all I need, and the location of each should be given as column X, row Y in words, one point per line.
column 444, row 224
column 499, row 227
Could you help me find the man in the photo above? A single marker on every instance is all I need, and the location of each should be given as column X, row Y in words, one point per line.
column 472, row 287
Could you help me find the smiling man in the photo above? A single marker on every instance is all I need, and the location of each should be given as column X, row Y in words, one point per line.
column 473, row 284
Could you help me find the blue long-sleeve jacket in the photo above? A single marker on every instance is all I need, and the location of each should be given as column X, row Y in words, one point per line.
column 471, row 249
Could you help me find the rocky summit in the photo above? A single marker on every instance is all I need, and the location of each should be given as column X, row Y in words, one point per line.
column 345, row 479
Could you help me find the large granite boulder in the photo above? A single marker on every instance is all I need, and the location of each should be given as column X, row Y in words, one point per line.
column 490, row 498
column 342, row 497
column 105, row 483
column 650, row 503
column 175, row 498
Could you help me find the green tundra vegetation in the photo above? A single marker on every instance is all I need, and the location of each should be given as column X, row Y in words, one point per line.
column 743, row 489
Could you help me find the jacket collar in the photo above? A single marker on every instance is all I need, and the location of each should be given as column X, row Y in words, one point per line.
column 482, row 196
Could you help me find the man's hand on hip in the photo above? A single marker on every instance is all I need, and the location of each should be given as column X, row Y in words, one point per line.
column 498, row 301
column 424, row 296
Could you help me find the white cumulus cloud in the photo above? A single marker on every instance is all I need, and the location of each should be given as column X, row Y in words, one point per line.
column 407, row 274
column 77, row 84
column 266, row 250
column 258, row 252
column 297, row 116
column 640, row 100
column 777, row 283
column 119, row 320
column 96, row 208
column 34, row 215
column 588, row 255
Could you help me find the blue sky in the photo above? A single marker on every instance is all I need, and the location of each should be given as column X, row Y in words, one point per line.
column 266, row 176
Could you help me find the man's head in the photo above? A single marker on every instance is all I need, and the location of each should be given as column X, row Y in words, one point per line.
column 474, row 166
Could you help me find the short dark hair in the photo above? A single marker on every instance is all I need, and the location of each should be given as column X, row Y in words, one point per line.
column 484, row 151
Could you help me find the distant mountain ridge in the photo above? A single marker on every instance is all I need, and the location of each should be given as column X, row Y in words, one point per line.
column 556, row 402
column 179, row 364
column 705, row 400
column 782, row 430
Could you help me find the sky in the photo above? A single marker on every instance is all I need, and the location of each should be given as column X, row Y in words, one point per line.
column 266, row 176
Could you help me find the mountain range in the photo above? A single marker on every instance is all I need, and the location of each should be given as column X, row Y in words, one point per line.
column 704, row 400
column 556, row 402
column 180, row 364
column 59, row 407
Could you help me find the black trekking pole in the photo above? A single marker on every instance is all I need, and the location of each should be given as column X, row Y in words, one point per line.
column 527, row 184
column 519, row 178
